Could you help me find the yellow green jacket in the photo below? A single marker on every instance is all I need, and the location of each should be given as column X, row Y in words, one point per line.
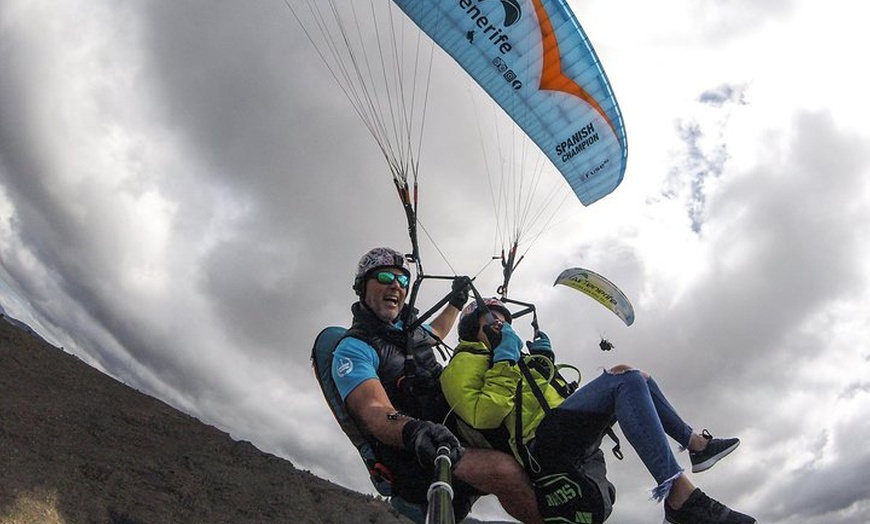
column 482, row 395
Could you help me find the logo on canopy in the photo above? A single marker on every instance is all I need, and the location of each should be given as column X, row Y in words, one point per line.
column 512, row 12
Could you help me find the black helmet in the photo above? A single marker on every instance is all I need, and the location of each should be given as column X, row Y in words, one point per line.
column 378, row 258
column 468, row 319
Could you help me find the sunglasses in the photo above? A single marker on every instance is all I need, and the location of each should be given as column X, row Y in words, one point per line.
column 388, row 277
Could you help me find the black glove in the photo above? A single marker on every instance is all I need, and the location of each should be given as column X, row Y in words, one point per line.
column 424, row 438
column 459, row 293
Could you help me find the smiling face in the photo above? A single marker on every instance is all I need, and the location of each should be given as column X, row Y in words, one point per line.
column 386, row 300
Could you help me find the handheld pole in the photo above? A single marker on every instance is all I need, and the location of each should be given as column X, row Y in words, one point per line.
column 440, row 495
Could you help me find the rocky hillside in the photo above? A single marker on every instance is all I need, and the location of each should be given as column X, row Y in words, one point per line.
column 77, row 446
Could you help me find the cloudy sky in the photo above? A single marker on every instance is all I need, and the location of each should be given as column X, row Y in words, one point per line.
column 185, row 192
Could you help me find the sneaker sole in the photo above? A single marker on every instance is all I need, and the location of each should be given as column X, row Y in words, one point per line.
column 707, row 464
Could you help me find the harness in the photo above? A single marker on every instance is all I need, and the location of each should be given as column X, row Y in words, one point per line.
column 321, row 361
column 410, row 378
column 408, row 369
column 562, row 386
column 576, row 492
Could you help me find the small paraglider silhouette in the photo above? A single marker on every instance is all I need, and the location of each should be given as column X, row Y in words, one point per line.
column 605, row 344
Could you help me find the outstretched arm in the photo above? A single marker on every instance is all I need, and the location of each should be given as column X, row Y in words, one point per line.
column 369, row 403
column 443, row 323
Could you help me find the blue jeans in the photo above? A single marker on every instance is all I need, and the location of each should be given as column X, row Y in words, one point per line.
column 644, row 415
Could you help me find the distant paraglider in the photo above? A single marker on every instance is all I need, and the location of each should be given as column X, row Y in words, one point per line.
column 602, row 290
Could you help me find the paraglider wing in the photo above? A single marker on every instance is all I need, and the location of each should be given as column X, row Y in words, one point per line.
column 599, row 288
column 534, row 59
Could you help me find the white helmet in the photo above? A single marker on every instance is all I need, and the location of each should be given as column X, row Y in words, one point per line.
column 378, row 258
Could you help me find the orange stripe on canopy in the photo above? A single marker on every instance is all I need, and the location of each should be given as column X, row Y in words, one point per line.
column 552, row 76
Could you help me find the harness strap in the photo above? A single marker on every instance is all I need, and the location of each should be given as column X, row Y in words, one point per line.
column 381, row 472
column 617, row 449
column 539, row 395
column 524, row 453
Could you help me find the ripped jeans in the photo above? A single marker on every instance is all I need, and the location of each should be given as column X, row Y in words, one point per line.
column 644, row 415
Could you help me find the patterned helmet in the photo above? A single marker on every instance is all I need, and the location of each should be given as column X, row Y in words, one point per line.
column 468, row 319
column 378, row 258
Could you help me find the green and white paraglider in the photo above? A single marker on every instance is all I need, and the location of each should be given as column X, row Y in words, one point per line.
column 599, row 288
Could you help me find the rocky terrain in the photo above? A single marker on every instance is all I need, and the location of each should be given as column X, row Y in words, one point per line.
column 77, row 446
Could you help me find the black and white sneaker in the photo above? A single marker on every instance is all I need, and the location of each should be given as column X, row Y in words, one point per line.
column 716, row 450
column 701, row 509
